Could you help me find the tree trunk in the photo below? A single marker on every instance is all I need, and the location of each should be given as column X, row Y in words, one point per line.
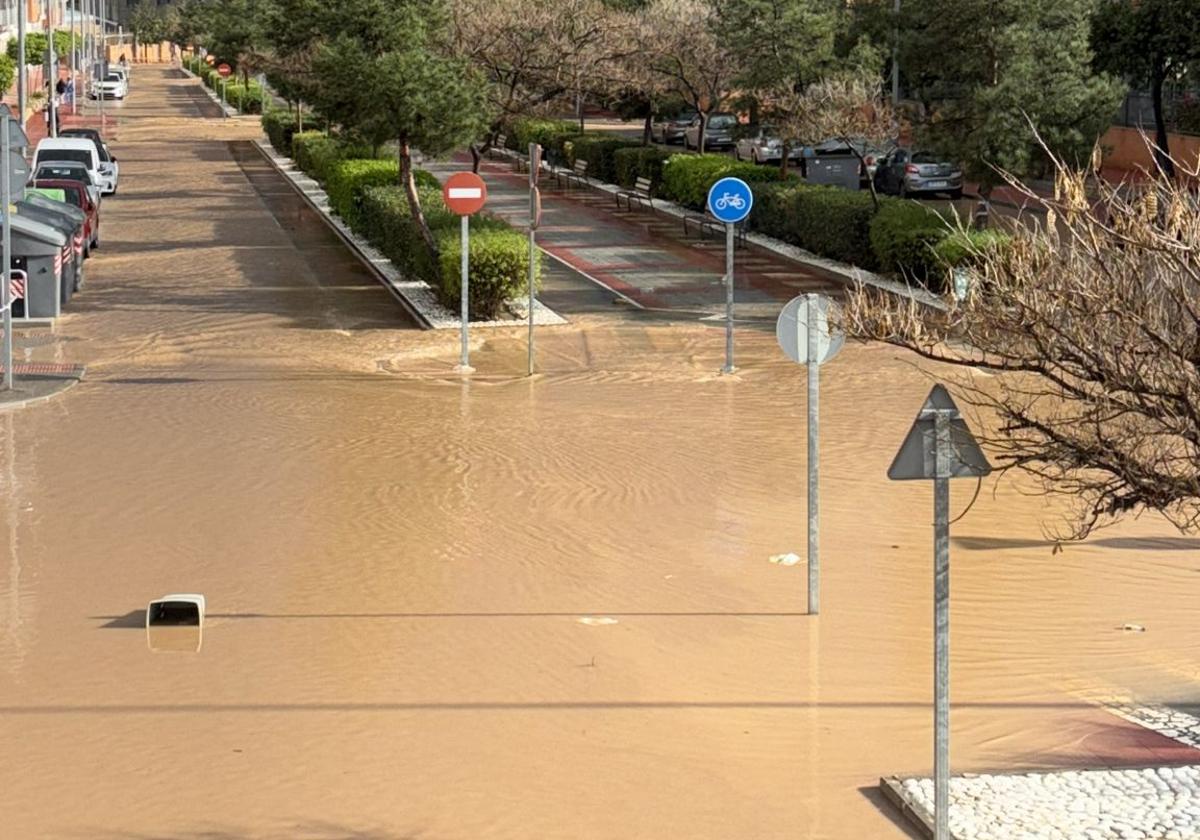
column 477, row 154
column 414, row 201
column 703, row 131
column 646, row 129
column 1162, row 154
column 785, row 150
column 981, row 216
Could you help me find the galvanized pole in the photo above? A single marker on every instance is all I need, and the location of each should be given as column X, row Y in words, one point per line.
column 814, row 456
column 6, row 246
column 941, row 627
column 533, row 211
column 464, row 364
column 896, row 57
column 51, row 81
column 102, row 30
column 728, row 299
column 22, row 82
column 74, row 65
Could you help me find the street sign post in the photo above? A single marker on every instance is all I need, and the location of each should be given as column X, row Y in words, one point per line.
column 465, row 194
column 730, row 201
column 535, row 220
column 806, row 337
column 939, row 446
column 6, row 151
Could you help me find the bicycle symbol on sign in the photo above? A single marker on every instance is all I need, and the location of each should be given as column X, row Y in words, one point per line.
column 729, row 200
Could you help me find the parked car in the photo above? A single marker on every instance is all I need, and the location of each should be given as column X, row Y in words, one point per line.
column 761, row 144
column 77, row 195
column 904, row 172
column 110, row 169
column 869, row 153
column 670, row 128
column 121, row 70
column 718, row 133
column 61, row 170
column 112, row 86
column 72, row 150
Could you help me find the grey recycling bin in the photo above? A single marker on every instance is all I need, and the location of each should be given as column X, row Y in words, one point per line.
column 835, row 170
column 76, row 215
column 72, row 263
column 36, row 247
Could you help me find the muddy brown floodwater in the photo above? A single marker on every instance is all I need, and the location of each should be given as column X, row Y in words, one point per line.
column 397, row 564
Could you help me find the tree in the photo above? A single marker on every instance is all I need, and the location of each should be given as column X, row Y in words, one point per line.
column 1149, row 42
column 984, row 68
column 693, row 61
column 784, row 42
column 387, row 74
column 1090, row 327
column 848, row 108
column 150, row 25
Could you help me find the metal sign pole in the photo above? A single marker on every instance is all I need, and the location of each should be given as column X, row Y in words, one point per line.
column 814, row 456
column 22, row 81
column 465, row 361
column 941, row 627
column 74, row 64
column 6, row 246
column 534, row 162
column 728, row 299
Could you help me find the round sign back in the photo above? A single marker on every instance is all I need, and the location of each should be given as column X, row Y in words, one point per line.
column 464, row 193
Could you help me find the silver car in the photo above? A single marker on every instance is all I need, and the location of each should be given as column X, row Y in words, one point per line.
column 762, row 145
column 718, row 132
column 670, row 129
column 904, row 172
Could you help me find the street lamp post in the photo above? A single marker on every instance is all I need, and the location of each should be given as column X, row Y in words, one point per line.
column 22, row 93
column 896, row 57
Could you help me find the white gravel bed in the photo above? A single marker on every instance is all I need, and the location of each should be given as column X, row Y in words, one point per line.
column 1161, row 803
column 417, row 294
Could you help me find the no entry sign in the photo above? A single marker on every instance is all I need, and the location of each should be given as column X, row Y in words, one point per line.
column 225, row 71
column 464, row 193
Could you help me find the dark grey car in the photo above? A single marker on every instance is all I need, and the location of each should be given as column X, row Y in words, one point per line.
column 670, row 128
column 718, row 133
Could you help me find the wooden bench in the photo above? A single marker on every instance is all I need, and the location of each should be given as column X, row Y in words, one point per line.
column 706, row 224
column 640, row 194
column 578, row 174
column 499, row 146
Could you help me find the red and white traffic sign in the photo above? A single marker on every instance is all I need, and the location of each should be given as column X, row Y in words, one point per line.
column 225, row 71
column 464, row 193
column 16, row 286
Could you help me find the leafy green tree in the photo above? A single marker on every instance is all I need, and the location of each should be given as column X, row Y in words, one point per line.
column 387, row 74
column 8, row 72
column 984, row 70
column 150, row 24
column 781, row 41
column 1149, row 42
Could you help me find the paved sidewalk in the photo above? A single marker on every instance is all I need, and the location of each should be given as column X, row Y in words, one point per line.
column 643, row 256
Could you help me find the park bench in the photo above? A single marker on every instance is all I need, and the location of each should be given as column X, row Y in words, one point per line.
column 499, row 146
column 640, row 194
column 578, row 174
column 520, row 161
column 706, row 224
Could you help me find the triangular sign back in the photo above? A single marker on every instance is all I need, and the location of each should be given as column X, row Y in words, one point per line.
column 917, row 457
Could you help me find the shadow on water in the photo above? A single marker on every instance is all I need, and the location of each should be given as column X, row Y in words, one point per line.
column 1121, row 543
column 881, row 804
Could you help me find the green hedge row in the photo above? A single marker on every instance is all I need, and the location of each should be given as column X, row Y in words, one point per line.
column 499, row 255
column 903, row 235
column 686, row 179
column 280, row 126
column 551, row 135
column 248, row 99
column 315, row 152
column 599, row 150
column 640, row 162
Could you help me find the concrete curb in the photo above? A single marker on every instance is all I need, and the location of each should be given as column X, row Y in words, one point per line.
column 849, row 274
column 68, row 382
column 415, row 295
column 228, row 110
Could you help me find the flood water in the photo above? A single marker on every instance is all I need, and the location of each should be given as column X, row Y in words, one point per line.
column 508, row 607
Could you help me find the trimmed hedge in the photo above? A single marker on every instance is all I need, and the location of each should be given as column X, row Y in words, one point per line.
column 247, row 99
column 830, row 221
column 279, row 126
column 346, row 179
column 964, row 249
column 499, row 254
column 903, row 235
column 687, row 178
column 599, row 150
column 315, row 152
column 640, row 162
column 552, row 135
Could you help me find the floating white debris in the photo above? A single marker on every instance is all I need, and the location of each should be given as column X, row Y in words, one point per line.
column 1133, row 628
column 592, row 621
column 788, row 559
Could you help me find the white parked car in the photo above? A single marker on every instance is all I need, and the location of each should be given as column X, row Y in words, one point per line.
column 110, row 169
column 78, row 150
column 112, row 86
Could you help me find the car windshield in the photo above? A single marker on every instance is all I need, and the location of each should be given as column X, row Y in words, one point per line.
column 722, row 121
column 71, row 173
column 78, row 155
column 926, row 157
column 73, row 198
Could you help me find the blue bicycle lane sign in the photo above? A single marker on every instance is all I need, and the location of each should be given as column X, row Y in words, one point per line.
column 730, row 200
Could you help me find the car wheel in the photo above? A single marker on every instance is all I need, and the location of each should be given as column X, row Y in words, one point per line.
column 754, row 157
